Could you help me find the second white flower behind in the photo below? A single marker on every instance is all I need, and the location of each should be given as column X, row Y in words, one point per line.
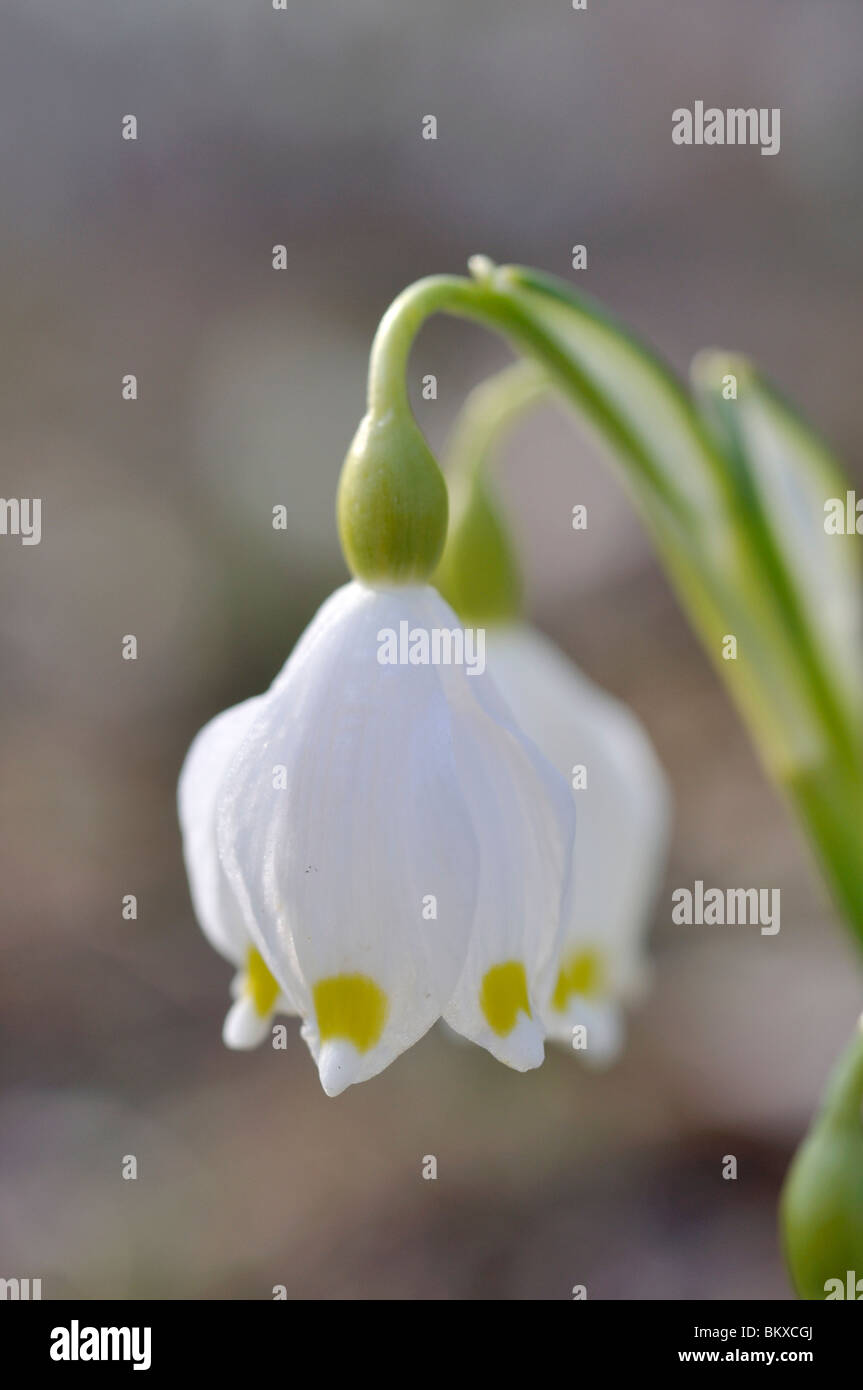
column 624, row 814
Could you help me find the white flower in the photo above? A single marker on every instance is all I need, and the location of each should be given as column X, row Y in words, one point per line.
column 256, row 993
column 623, row 828
column 393, row 845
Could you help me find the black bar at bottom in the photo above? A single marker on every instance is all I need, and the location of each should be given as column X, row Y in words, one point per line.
column 263, row 1340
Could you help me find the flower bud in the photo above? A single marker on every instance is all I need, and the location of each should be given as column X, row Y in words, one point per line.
column 822, row 1201
column 392, row 502
column 478, row 574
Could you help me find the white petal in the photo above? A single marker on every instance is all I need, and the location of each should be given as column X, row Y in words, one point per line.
column 200, row 779
column 244, row 1027
column 335, row 868
column 623, row 812
column 339, row 1065
column 524, row 820
column 603, row 1024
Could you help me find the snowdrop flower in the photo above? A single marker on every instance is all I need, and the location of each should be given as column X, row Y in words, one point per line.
column 391, row 844
column 623, row 825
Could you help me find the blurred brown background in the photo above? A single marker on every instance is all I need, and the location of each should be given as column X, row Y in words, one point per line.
column 154, row 257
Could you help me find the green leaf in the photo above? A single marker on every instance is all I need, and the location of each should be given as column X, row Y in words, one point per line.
column 685, row 485
column 785, row 475
column 631, row 398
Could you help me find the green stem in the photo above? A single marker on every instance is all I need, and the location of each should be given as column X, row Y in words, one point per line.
column 490, row 410
column 482, row 301
column 842, row 1103
column 846, row 735
column 399, row 326
column 829, row 801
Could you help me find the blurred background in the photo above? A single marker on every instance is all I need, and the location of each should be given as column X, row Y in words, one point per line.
column 153, row 257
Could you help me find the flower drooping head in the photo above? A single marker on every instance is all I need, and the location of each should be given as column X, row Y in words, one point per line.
column 376, row 829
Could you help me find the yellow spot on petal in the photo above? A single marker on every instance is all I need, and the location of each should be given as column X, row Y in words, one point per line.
column 260, row 983
column 503, row 993
column 581, row 973
column 351, row 1007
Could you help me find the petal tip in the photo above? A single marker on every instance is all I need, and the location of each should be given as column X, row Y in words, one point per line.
column 525, row 1046
column 244, row 1028
column 338, row 1065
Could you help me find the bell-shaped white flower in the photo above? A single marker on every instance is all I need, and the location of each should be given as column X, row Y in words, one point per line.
column 256, row 993
column 623, row 826
column 397, row 849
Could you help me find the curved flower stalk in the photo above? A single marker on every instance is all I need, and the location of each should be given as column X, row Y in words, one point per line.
column 594, row 741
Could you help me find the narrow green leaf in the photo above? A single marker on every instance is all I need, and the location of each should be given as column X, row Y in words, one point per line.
column 784, row 476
